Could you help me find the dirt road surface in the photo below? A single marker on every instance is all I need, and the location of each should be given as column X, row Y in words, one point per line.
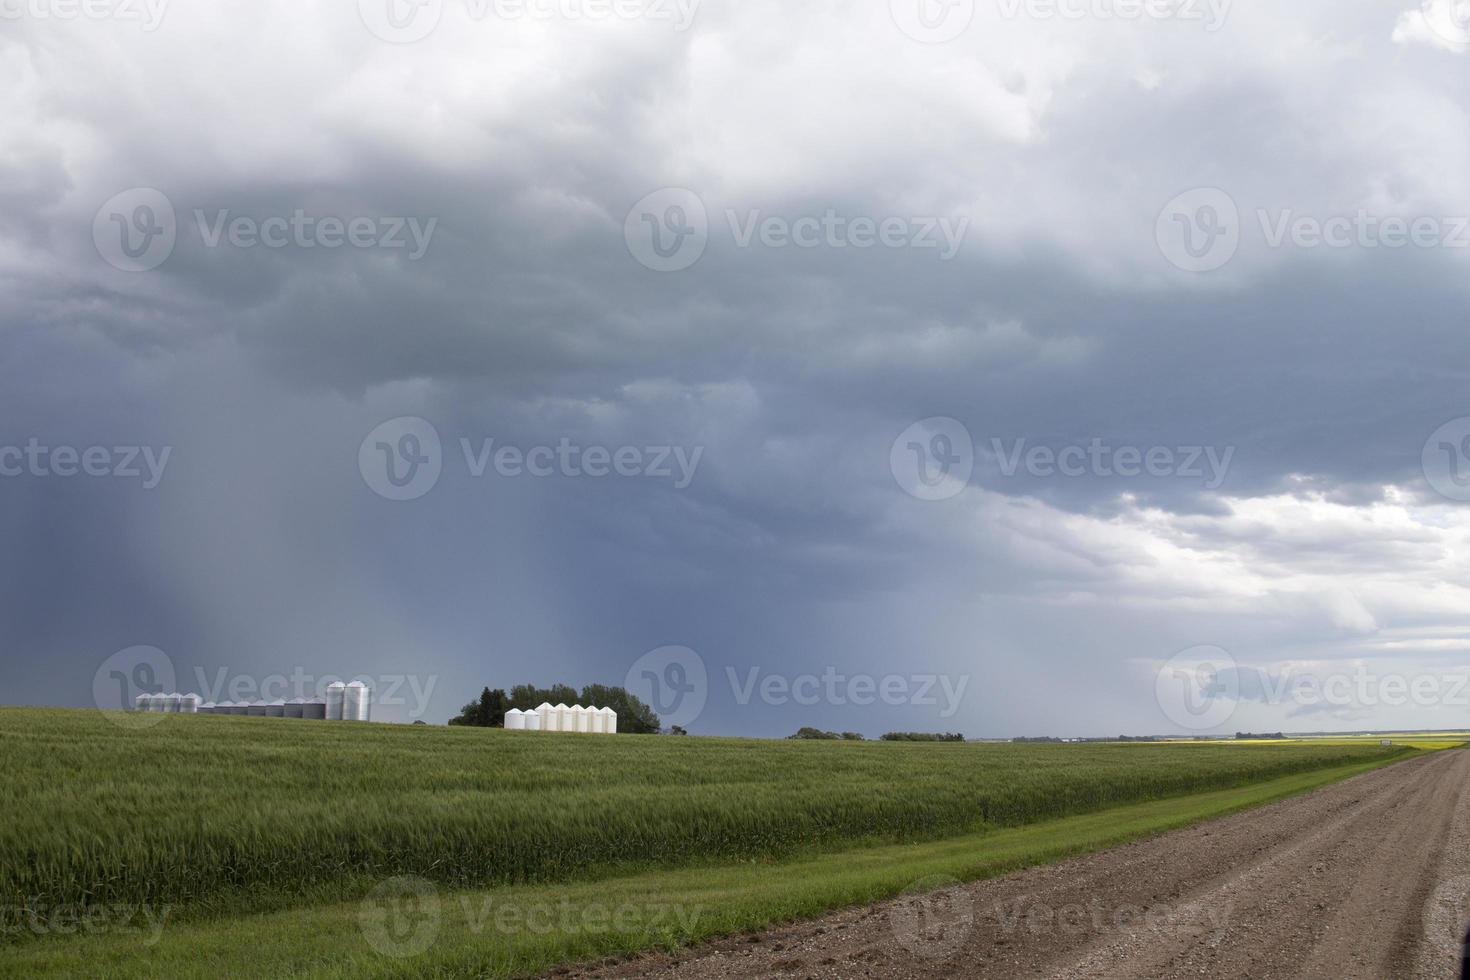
column 1367, row 878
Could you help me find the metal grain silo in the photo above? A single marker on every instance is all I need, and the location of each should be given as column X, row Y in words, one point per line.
column 294, row 706
column 189, row 704
column 141, row 702
column 336, row 695
column 235, row 707
column 562, row 720
column 276, row 709
column 207, row 708
column 256, row 709
column 546, row 715
column 355, row 702
column 171, row 702
column 595, row 720
column 515, row 720
column 533, row 721
column 609, row 721
column 314, row 710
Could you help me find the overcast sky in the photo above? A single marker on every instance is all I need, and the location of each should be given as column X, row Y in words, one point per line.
column 975, row 359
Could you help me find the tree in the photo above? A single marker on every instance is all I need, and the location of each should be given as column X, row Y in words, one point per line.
column 634, row 717
column 487, row 712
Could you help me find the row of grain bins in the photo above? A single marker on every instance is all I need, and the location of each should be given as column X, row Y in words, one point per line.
column 344, row 702
column 560, row 718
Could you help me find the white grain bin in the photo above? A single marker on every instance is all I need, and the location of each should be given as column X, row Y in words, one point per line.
column 515, row 720
column 207, row 708
column 276, row 709
column 532, row 720
column 189, row 704
column 582, row 717
column 609, row 721
column 171, row 702
column 142, row 701
column 294, row 706
column 545, row 715
column 561, row 719
column 594, row 720
column 238, row 707
column 315, row 709
column 336, row 696
column 155, row 702
column 355, row 702
column 256, row 709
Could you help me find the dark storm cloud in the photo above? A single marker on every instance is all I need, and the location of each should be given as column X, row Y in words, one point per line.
column 1317, row 374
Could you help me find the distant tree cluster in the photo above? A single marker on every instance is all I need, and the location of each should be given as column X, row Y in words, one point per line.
column 634, row 717
column 817, row 733
column 923, row 737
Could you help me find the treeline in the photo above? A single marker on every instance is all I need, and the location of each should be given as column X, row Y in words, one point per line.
column 634, row 717
column 817, row 733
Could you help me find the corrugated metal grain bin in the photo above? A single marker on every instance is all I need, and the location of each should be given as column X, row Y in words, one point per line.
column 561, row 719
column 189, row 704
column 294, row 706
column 545, row 712
column 355, row 702
column 314, row 709
column 533, row 721
column 594, row 721
column 582, row 718
column 515, row 720
column 142, row 702
column 609, row 721
column 239, row 708
column 207, row 708
column 256, row 709
column 171, row 702
column 336, row 695
column 155, row 702
column 276, row 709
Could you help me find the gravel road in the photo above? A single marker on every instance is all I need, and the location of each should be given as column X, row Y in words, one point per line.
column 1366, row 878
